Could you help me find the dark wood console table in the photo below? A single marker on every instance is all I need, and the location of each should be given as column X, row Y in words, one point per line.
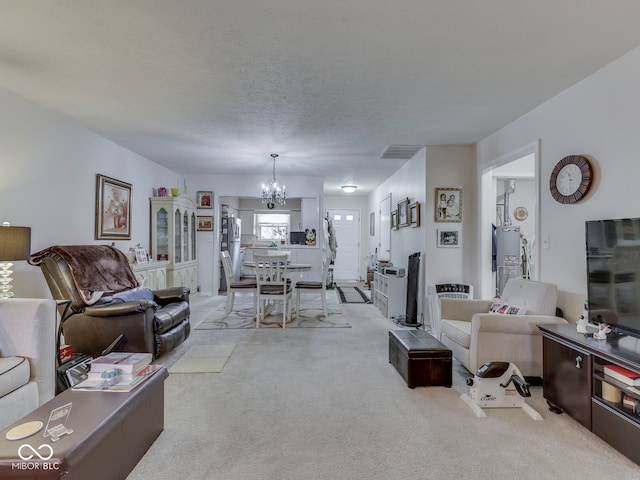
column 574, row 382
column 111, row 431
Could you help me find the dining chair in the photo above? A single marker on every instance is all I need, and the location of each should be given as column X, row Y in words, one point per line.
column 273, row 285
column 233, row 287
column 314, row 286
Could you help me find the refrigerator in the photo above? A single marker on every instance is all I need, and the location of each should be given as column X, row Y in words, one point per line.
column 230, row 241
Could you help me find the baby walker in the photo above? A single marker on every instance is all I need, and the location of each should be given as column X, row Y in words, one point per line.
column 498, row 385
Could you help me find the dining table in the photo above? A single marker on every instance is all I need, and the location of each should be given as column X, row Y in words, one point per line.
column 292, row 268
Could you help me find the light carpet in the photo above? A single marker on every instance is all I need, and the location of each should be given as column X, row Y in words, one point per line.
column 317, row 404
column 203, row 359
column 310, row 316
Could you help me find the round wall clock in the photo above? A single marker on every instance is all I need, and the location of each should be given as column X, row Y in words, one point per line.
column 571, row 179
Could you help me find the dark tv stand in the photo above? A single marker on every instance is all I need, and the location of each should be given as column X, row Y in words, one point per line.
column 574, row 383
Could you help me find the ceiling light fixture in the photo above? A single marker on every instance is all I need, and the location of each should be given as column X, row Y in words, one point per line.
column 349, row 188
column 273, row 192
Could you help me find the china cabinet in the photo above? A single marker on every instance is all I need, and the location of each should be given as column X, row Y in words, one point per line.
column 173, row 239
column 152, row 275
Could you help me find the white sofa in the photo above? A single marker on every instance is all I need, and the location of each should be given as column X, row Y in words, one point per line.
column 27, row 356
column 476, row 336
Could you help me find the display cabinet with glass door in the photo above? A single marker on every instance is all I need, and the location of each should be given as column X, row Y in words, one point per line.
column 173, row 239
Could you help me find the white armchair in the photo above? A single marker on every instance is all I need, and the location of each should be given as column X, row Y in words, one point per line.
column 476, row 336
column 27, row 356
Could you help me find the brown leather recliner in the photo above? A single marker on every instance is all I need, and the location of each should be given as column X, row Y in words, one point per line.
column 106, row 302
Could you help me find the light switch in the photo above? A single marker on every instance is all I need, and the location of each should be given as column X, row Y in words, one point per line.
column 546, row 242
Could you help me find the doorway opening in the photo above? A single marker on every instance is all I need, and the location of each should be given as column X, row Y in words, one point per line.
column 346, row 224
column 510, row 227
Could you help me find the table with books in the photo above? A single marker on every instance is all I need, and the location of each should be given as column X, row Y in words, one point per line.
column 99, row 429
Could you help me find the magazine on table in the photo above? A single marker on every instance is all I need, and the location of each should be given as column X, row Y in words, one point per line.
column 124, row 384
column 123, row 361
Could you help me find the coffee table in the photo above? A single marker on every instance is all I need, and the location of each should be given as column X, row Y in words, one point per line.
column 85, row 434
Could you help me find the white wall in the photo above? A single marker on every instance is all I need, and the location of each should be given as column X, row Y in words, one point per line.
column 49, row 167
column 407, row 182
column 451, row 166
column 598, row 117
column 434, row 167
column 48, row 182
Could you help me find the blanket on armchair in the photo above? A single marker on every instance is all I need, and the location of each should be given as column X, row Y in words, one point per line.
column 97, row 270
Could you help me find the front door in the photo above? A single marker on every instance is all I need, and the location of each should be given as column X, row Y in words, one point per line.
column 346, row 223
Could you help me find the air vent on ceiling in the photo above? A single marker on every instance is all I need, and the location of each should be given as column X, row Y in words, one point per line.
column 401, row 152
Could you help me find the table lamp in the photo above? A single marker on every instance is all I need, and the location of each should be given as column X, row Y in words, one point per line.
column 15, row 244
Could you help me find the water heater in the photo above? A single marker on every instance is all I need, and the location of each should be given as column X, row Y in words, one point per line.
column 508, row 255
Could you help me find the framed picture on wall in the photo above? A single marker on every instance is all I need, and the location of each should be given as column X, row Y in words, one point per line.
column 414, row 214
column 448, row 205
column 403, row 213
column 372, row 224
column 205, row 223
column 113, row 209
column 204, row 199
column 394, row 220
column 448, row 238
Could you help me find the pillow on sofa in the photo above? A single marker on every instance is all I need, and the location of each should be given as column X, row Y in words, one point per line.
column 133, row 295
column 505, row 309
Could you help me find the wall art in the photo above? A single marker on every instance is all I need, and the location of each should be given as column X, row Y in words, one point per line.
column 394, row 220
column 205, row 223
column 113, row 209
column 403, row 213
column 204, row 199
column 448, row 238
column 448, row 205
column 414, row 214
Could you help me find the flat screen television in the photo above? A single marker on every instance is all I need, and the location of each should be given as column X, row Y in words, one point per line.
column 613, row 273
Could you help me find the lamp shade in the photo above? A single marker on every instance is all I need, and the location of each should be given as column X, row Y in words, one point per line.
column 15, row 243
column 349, row 188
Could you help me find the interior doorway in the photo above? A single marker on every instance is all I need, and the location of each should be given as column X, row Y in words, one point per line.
column 346, row 223
column 510, row 228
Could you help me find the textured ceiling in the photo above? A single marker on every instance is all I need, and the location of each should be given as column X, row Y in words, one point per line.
column 215, row 86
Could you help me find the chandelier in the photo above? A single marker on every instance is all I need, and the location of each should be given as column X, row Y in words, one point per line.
column 273, row 192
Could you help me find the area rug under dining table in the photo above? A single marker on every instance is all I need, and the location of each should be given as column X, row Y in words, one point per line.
column 310, row 315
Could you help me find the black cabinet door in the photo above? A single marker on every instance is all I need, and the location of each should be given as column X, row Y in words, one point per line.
column 567, row 379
